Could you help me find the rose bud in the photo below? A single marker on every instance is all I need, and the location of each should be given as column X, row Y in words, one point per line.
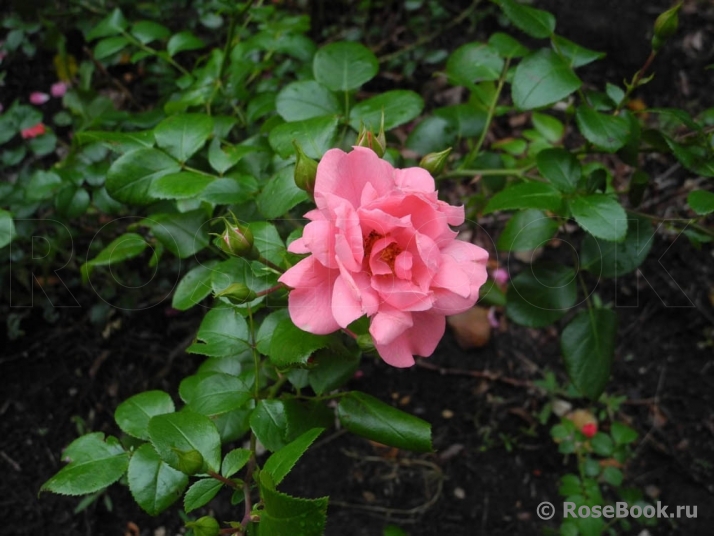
column 434, row 162
column 305, row 171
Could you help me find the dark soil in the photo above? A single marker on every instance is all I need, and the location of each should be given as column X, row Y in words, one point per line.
column 497, row 463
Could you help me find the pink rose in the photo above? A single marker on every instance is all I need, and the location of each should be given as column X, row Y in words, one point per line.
column 38, row 98
column 58, row 89
column 381, row 246
column 33, row 131
column 500, row 276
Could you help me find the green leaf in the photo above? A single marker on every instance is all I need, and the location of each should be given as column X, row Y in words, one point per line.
column 291, row 346
column 542, row 78
column 121, row 142
column 548, row 126
column 284, row 514
column 183, row 41
column 465, row 121
column 525, row 195
column 154, row 485
column 315, row 136
column 608, row 132
column 527, row 230
column 94, row 465
column 112, row 24
column 269, row 423
column 613, row 476
column 267, row 240
column 72, row 202
column 622, row 434
column 614, row 259
column 599, row 215
column 230, row 190
column 281, row 462
column 561, row 168
column 147, row 31
column 472, row 63
column 694, row 158
column 109, row 46
column 371, row 418
column 134, row 413
column 200, row 493
column 541, row 294
column 432, row 135
column 185, row 432
column 223, row 332
column 224, row 158
column 588, row 345
column 534, row 22
column 43, row 145
column 399, row 106
column 615, row 93
column 183, row 135
column 507, row 46
column 306, row 99
column 183, row 234
column 332, row 369
column 130, row 177
column 193, row 287
column 701, row 202
column 181, row 185
column 234, row 461
column 219, row 393
column 253, row 275
column 126, row 246
column 7, row 228
column 601, row 443
column 42, row 185
column 344, row 66
column 280, row 194
column 576, row 55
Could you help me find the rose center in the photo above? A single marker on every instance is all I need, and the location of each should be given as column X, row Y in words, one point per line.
column 388, row 254
column 368, row 242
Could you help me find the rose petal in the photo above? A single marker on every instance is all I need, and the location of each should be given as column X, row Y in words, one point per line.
column 345, row 307
column 310, row 301
column 388, row 324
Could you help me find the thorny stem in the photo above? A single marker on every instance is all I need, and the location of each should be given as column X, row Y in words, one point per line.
column 269, row 264
column 489, row 117
column 269, row 290
column 134, row 41
column 518, row 172
column 430, row 37
column 256, row 396
column 227, row 481
column 690, row 221
column 636, row 80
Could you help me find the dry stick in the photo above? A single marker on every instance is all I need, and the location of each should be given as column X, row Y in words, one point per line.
column 121, row 87
column 397, row 511
column 428, row 38
column 491, row 376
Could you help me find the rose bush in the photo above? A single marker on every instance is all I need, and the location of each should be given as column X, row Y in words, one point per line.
column 381, row 245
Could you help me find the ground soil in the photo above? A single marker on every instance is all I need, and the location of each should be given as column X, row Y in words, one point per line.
column 493, row 463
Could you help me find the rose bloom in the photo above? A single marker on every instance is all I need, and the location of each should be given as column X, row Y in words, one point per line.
column 33, row 131
column 37, row 97
column 58, row 89
column 381, row 246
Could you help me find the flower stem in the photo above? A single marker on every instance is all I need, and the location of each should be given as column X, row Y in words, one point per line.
column 489, row 116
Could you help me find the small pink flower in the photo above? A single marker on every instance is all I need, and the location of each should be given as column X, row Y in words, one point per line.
column 492, row 318
column 37, row 98
column 381, row 245
column 589, row 429
column 500, row 276
column 58, row 89
column 33, row 131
